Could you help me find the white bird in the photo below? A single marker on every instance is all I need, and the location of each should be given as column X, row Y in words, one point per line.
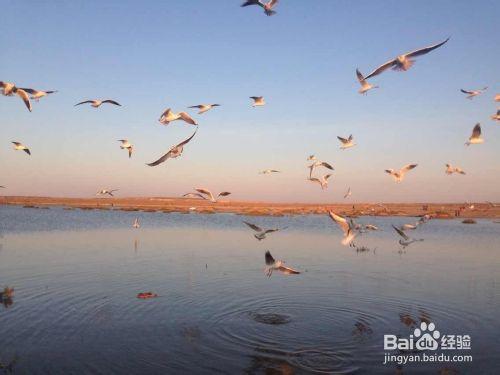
column 405, row 61
column 204, row 107
column 450, row 169
column 174, row 152
column 268, row 7
column 318, row 163
column 38, row 94
column 9, row 89
column 346, row 226
column 258, row 101
column 346, row 143
column 209, row 194
column 497, row 116
column 475, row 138
column 20, row 147
column 168, row 116
column 269, row 171
column 106, row 192
column 365, row 86
column 399, row 175
column 126, row 145
column 323, row 181
column 348, row 194
column 261, row 233
column 473, row 93
column 277, row 265
column 136, row 223
column 96, row 103
column 405, row 240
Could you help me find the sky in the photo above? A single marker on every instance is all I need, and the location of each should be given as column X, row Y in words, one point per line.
column 153, row 55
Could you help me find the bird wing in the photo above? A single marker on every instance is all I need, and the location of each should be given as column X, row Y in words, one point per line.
column 199, row 106
column 187, row 118
column 206, row 192
column 24, row 96
column 476, row 132
column 326, row 177
column 340, row 221
column 192, row 195
column 288, row 270
column 423, row 51
column 272, row 3
column 253, row 226
column 187, row 140
column 401, row 233
column 381, row 68
column 269, row 259
column 30, row 91
column 252, row 2
column 224, row 194
column 111, row 102
column 326, row 165
column 361, row 79
column 130, row 150
column 406, row 168
column 390, row 171
column 343, row 140
column 161, row 159
column 466, row 92
column 86, row 101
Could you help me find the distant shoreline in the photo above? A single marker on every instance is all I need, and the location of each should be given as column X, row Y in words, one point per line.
column 184, row 205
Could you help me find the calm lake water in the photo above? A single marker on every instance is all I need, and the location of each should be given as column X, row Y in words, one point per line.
column 76, row 275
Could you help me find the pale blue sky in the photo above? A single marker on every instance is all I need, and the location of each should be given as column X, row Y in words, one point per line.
column 158, row 54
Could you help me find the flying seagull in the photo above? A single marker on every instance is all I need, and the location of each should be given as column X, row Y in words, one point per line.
column 204, row 107
column 106, row 192
column 365, row 86
column 405, row 240
column 261, row 233
column 268, row 7
column 405, row 61
column 174, row 152
column 168, row 116
column 38, row 94
column 277, row 265
column 348, row 194
column 475, row 138
column 209, row 194
column 9, row 89
column 20, row 147
column 269, row 171
column 96, row 103
column 258, row 101
column 318, row 163
column 399, row 175
column 136, row 223
column 497, row 116
column 323, row 181
column 450, row 169
column 126, row 145
column 346, row 143
column 473, row 93
column 346, row 226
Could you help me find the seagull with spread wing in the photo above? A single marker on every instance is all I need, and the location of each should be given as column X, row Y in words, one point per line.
column 399, row 175
column 472, row 93
column 348, row 194
column 174, row 152
column 106, row 192
column 168, row 116
column 204, row 107
column 258, row 101
column 322, row 181
column 450, row 169
column 347, row 226
column 126, row 145
column 365, row 86
column 9, row 89
column 207, row 193
column 269, row 171
column 475, row 138
column 277, row 265
column 405, row 61
column 261, row 233
column 268, row 7
column 346, row 143
column 405, row 240
column 96, row 103
column 20, row 147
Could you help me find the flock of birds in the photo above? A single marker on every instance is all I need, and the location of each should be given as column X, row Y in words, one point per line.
column 349, row 227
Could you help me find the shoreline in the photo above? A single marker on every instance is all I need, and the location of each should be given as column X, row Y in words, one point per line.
column 184, row 205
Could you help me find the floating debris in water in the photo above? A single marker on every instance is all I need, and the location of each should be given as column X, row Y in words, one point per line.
column 270, row 318
column 147, row 295
column 469, row 221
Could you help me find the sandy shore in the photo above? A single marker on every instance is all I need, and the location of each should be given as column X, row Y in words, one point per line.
column 153, row 204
